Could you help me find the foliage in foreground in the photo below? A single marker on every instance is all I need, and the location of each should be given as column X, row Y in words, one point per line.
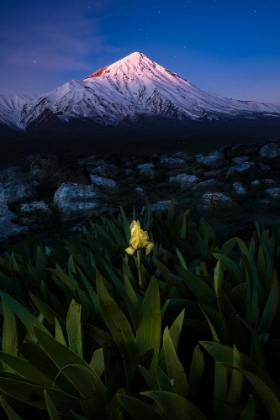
column 83, row 338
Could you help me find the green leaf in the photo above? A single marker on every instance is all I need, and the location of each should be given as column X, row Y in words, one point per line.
column 125, row 225
column 236, row 384
column 138, row 409
column 232, row 269
column 182, row 260
column 218, row 277
column 164, row 381
column 77, row 371
column 174, row 367
column 238, row 296
column 97, row 362
column 48, row 312
column 196, row 373
column 198, row 287
column 220, row 378
column 53, row 413
column 171, row 213
column 249, row 412
column 148, row 333
column 40, row 265
column 176, row 328
column 271, row 306
column 224, row 354
column 122, row 243
column 100, row 336
column 131, row 301
column 9, row 332
column 59, row 336
column 24, row 315
column 12, row 415
column 34, row 395
column 25, row 369
column 149, row 377
column 227, row 247
column 175, row 406
column 74, row 329
column 270, row 400
column 118, row 325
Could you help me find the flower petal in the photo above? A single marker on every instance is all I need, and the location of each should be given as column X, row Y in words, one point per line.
column 130, row 250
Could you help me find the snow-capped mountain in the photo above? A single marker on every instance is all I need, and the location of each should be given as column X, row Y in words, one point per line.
column 132, row 87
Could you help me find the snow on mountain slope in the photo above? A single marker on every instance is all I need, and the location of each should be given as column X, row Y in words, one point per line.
column 11, row 107
column 129, row 88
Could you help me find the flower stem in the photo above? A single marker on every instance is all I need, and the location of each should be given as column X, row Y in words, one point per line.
column 139, row 267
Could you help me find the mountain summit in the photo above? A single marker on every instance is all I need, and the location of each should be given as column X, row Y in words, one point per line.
column 132, row 87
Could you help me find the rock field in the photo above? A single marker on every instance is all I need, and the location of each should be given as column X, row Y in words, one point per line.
column 235, row 184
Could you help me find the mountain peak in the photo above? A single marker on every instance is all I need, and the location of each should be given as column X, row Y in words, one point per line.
column 132, row 61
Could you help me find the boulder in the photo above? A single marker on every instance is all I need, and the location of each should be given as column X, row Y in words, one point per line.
column 273, row 192
column 78, row 201
column 16, row 186
column 241, row 168
column 240, row 159
column 209, row 183
column 146, row 169
column 8, row 229
column 186, row 181
column 270, row 150
column 105, row 169
column 35, row 207
column 169, row 162
column 213, row 172
column 214, row 200
column 102, row 182
column 214, row 159
column 239, row 188
column 5, row 213
column 162, row 206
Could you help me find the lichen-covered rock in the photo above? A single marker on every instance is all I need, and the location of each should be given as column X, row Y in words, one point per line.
column 5, row 213
column 210, row 201
column 214, row 159
column 78, row 201
column 239, row 188
column 162, row 206
column 241, row 168
column 8, row 229
column 146, row 169
column 102, row 182
column 16, row 186
column 213, row 172
column 273, row 192
column 35, row 207
column 270, row 150
column 240, row 159
column 186, row 181
column 209, row 183
column 170, row 162
column 105, row 169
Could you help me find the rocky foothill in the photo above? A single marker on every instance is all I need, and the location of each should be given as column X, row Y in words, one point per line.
column 47, row 192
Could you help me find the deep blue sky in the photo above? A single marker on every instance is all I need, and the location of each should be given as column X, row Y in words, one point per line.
column 228, row 47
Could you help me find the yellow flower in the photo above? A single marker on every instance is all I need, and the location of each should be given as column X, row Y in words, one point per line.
column 139, row 239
